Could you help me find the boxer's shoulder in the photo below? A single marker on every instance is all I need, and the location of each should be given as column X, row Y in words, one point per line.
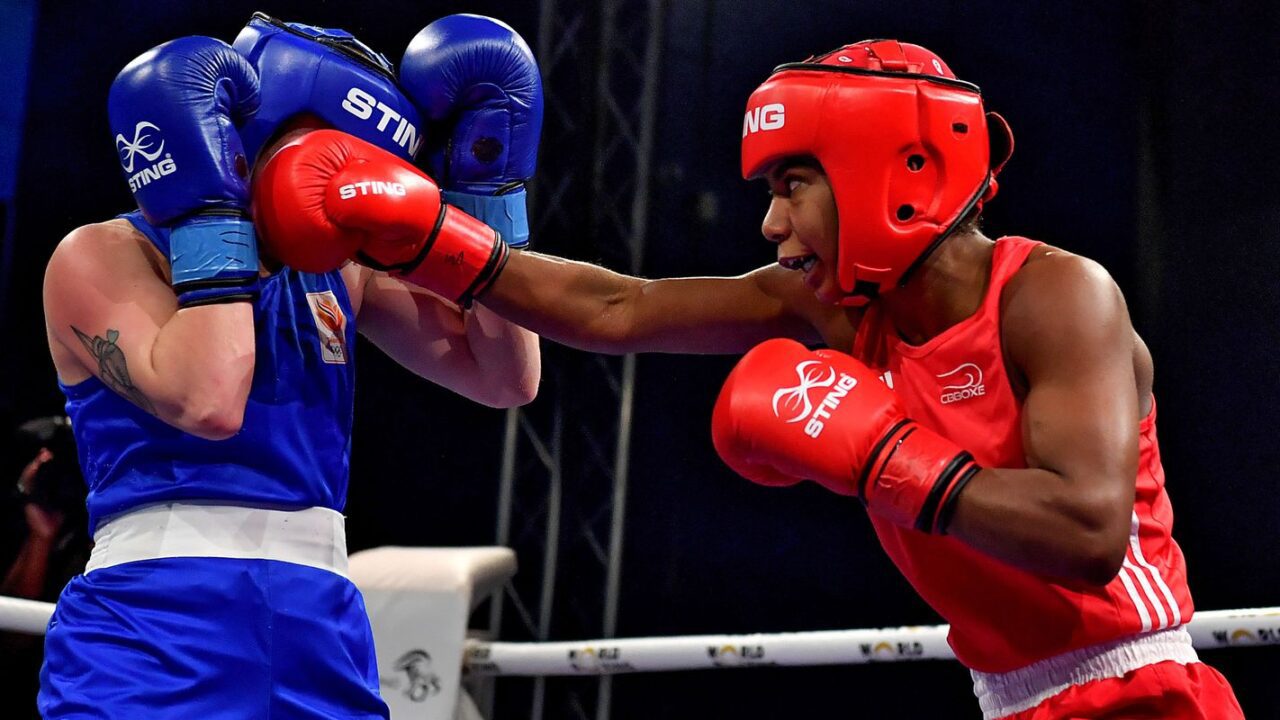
column 1051, row 276
column 102, row 238
column 104, row 249
column 1058, row 307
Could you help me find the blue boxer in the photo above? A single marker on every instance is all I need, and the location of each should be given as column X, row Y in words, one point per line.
column 217, row 584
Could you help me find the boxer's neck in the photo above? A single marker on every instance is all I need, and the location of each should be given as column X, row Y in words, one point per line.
column 945, row 290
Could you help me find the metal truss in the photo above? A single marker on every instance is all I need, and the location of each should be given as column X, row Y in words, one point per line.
column 562, row 502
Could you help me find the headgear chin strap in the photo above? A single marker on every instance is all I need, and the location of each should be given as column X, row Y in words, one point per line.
column 330, row 74
column 904, row 144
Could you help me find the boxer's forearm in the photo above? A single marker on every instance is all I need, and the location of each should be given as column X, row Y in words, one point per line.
column 573, row 303
column 1043, row 522
column 201, row 369
column 598, row 310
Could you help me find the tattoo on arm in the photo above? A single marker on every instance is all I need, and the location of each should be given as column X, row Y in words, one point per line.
column 112, row 368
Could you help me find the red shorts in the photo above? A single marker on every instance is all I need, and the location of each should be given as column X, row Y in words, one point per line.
column 1166, row 690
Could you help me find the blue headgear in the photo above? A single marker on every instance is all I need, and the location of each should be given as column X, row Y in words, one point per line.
column 330, row 74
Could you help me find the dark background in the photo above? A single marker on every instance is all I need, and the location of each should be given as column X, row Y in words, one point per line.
column 1146, row 139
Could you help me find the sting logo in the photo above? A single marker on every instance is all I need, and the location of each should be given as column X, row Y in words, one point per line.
column 795, row 400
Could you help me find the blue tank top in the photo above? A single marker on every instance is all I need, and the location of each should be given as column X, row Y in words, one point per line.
column 294, row 447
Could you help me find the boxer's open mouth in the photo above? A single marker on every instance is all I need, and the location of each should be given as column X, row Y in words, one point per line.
column 799, row 262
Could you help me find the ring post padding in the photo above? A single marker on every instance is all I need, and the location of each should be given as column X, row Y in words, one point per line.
column 419, row 601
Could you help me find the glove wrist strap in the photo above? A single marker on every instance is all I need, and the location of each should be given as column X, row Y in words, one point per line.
column 460, row 260
column 506, row 213
column 213, row 259
column 916, row 477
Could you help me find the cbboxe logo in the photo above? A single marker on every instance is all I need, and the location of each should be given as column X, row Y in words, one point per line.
column 812, row 374
column 766, row 117
column 146, row 135
column 362, row 104
column 965, row 382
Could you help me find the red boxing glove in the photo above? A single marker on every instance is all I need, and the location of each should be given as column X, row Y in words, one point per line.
column 787, row 413
column 328, row 196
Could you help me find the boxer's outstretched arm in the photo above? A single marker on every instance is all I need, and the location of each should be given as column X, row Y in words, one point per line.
column 1066, row 329
column 591, row 308
column 474, row 352
column 110, row 312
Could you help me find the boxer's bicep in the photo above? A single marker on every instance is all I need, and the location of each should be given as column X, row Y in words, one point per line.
column 1065, row 329
column 1081, row 413
column 1080, row 416
column 105, row 305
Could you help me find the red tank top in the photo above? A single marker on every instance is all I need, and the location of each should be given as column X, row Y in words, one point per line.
column 1003, row 618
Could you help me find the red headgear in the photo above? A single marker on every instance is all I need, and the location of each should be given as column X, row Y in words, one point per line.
column 905, row 145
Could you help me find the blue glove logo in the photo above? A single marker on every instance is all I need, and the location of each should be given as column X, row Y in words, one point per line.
column 141, row 144
column 143, row 140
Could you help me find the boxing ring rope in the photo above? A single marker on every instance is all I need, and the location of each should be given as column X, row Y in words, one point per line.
column 1210, row 629
column 24, row 616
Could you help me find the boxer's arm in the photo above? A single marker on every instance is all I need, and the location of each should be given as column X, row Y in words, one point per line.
column 594, row 309
column 1067, row 330
column 109, row 306
column 474, row 352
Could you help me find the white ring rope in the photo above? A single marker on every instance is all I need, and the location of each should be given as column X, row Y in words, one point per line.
column 1209, row 629
column 24, row 616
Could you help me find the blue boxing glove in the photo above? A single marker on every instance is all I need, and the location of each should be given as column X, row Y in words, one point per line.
column 477, row 76
column 173, row 111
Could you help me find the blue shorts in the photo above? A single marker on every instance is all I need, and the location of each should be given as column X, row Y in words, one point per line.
column 210, row 638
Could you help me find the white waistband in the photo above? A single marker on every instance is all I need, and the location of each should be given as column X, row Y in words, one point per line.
column 1003, row 694
column 314, row 536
